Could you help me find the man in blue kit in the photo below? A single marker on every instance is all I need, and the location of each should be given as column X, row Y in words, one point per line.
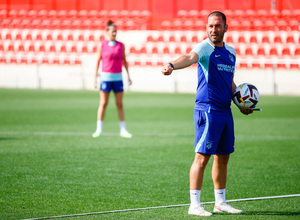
column 214, row 129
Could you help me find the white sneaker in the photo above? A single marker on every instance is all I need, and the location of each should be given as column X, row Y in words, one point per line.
column 225, row 207
column 125, row 134
column 198, row 210
column 97, row 134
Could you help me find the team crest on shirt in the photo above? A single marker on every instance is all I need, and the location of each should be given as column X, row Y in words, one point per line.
column 209, row 144
column 231, row 57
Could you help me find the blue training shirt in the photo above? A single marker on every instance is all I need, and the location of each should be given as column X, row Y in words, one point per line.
column 216, row 67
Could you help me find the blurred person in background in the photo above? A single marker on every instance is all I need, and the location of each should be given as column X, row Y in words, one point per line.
column 214, row 126
column 112, row 55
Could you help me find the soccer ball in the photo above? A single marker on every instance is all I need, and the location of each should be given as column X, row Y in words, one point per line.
column 246, row 95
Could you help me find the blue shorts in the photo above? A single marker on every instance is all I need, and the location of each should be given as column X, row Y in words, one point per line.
column 214, row 133
column 107, row 86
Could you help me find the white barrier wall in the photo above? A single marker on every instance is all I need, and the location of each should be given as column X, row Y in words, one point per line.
column 145, row 79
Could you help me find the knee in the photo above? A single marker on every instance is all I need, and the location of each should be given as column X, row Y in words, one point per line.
column 103, row 104
column 201, row 160
column 119, row 105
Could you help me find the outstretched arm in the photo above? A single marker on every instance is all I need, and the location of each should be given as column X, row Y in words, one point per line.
column 182, row 62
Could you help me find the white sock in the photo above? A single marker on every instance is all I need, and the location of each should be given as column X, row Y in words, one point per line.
column 219, row 196
column 122, row 125
column 195, row 197
column 99, row 125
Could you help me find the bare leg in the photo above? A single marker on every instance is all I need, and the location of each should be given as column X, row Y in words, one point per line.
column 219, row 171
column 119, row 104
column 104, row 96
column 197, row 170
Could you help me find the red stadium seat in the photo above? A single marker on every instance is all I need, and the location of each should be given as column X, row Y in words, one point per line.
column 72, row 14
column 59, row 37
column 21, row 48
column 31, row 48
column 124, row 14
column 1, row 47
column 8, row 36
column 143, row 50
column 286, row 13
column 182, row 13
column 52, row 14
column 250, row 14
column 183, row 39
column 294, row 66
column 172, row 38
column 261, row 51
column 38, row 37
column 282, row 25
column 12, row 13
column 166, row 25
column 262, row 14
column 268, row 65
column 166, row 50
column 243, row 64
column 297, row 52
column 256, row 65
column 237, row 51
column 229, row 39
column 188, row 49
column 84, row 49
column 277, row 39
column 52, row 48
column 83, row 14
column 286, row 51
column 150, row 38
column 241, row 39
column 195, row 39
column 28, row 37
column 269, row 25
column 248, row 51
column 42, row 48
column 246, row 25
column 293, row 25
column 62, row 14
column 70, row 37
column 290, row 39
column 257, row 25
column 253, row 39
column 133, row 50
column 177, row 50
column 73, row 49
column 11, row 48
column 273, row 51
column 265, row 39
column 49, row 37
column 63, row 49
column 155, row 50
column 281, row 66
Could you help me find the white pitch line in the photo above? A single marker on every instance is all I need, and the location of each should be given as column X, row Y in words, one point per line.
column 49, row 133
column 160, row 207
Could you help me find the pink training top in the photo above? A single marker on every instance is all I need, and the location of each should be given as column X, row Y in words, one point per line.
column 112, row 57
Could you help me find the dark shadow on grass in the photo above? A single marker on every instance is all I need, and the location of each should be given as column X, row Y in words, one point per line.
column 8, row 138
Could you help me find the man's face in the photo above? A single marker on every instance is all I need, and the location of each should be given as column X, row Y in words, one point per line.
column 216, row 29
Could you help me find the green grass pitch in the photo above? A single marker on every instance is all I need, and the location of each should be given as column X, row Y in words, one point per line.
column 51, row 166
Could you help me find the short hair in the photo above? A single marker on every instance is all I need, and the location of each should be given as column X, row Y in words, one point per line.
column 110, row 23
column 218, row 13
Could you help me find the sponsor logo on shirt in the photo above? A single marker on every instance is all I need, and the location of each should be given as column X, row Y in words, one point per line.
column 225, row 67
